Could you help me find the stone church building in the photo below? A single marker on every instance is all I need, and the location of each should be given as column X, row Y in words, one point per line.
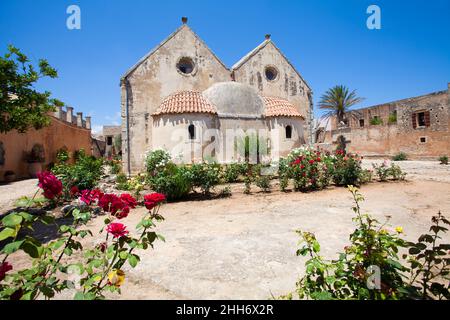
column 180, row 97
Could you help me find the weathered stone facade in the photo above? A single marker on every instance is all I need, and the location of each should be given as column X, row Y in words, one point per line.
column 418, row 126
column 183, row 69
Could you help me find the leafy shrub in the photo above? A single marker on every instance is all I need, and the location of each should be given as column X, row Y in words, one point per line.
column 365, row 176
column 263, row 182
column 122, row 182
column 136, row 184
column 98, row 269
column 347, row 169
column 443, row 159
column 62, row 156
column 173, row 181
column 248, row 178
column 396, row 172
column 225, row 192
column 204, row 176
column 156, row 160
column 354, row 274
column 429, row 263
column 233, row 171
column 392, row 118
column 309, row 169
column 283, row 173
column 375, row 121
column 384, row 171
column 83, row 174
column 401, row 156
column 116, row 167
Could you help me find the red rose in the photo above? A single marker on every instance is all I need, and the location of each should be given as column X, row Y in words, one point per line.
column 111, row 203
column 153, row 199
column 296, row 162
column 4, row 268
column 89, row 196
column 74, row 191
column 129, row 200
column 318, row 159
column 302, row 166
column 50, row 184
column 311, row 161
column 102, row 246
column 117, row 230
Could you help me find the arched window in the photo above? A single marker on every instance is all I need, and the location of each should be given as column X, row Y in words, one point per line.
column 191, row 130
column 288, row 132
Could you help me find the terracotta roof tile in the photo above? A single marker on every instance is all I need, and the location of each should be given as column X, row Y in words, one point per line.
column 186, row 102
column 280, row 107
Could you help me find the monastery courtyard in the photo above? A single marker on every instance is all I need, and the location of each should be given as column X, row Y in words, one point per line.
column 244, row 246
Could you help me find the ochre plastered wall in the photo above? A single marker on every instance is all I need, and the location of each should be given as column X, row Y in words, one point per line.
column 57, row 135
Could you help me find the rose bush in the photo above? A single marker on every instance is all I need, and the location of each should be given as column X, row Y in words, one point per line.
column 370, row 268
column 51, row 186
column 98, row 270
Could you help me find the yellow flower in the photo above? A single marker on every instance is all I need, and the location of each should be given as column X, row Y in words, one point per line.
column 399, row 229
column 116, row 277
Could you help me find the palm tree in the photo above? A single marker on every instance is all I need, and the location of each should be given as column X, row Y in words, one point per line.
column 338, row 100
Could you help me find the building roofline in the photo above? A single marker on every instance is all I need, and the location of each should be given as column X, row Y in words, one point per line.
column 402, row 100
column 253, row 52
column 173, row 34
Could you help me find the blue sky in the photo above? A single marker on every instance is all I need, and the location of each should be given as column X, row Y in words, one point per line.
column 327, row 40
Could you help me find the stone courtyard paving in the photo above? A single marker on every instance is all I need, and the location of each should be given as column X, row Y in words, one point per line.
column 243, row 247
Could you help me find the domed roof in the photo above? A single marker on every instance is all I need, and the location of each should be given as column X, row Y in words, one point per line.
column 280, row 107
column 185, row 102
column 236, row 99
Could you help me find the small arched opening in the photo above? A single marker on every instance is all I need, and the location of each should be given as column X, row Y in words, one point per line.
column 288, row 132
column 191, row 130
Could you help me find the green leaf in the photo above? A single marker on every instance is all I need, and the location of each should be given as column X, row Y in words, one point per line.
column 64, row 228
column 151, row 236
column 79, row 296
column 26, row 216
column 123, row 255
column 7, row 233
column 24, row 202
column 12, row 220
column 322, row 295
column 316, row 246
column 133, row 260
column 47, row 219
column 32, row 247
column 57, row 244
column 12, row 247
column 414, row 250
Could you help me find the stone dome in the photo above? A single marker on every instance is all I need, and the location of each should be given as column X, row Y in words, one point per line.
column 235, row 99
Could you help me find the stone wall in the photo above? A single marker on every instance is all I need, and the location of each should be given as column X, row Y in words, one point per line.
column 156, row 78
column 404, row 134
column 288, row 83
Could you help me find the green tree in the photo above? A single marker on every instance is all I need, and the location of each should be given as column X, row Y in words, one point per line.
column 338, row 101
column 21, row 106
